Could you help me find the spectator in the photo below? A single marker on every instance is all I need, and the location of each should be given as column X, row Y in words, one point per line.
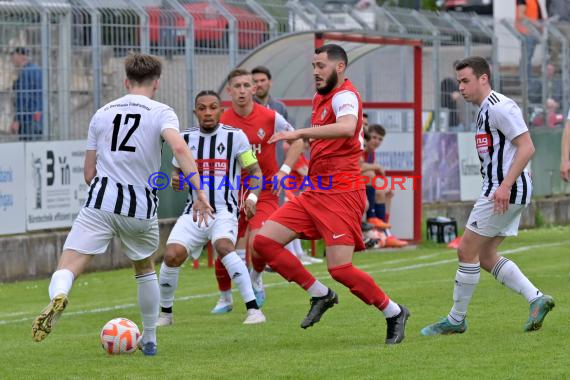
column 553, row 86
column 379, row 201
column 553, row 117
column 559, row 9
column 27, row 89
column 262, row 79
column 531, row 11
column 450, row 97
column 565, row 152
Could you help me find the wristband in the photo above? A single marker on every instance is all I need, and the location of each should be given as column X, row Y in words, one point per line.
column 252, row 197
column 285, row 169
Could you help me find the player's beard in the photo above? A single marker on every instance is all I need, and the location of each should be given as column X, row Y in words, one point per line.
column 331, row 83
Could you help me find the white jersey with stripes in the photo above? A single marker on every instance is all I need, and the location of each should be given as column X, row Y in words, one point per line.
column 499, row 122
column 217, row 157
column 126, row 134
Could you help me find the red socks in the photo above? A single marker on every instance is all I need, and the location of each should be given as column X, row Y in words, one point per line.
column 257, row 262
column 222, row 276
column 282, row 261
column 360, row 284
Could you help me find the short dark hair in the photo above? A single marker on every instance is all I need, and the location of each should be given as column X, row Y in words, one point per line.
column 333, row 51
column 207, row 93
column 237, row 73
column 378, row 129
column 261, row 70
column 142, row 68
column 478, row 64
column 19, row 50
column 364, row 114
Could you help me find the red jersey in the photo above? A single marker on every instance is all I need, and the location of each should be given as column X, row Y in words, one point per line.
column 259, row 126
column 333, row 157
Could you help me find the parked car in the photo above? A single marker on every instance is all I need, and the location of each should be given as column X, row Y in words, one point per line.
column 210, row 27
column 478, row 6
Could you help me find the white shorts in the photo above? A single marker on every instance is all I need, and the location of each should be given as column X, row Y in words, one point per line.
column 484, row 222
column 94, row 229
column 187, row 233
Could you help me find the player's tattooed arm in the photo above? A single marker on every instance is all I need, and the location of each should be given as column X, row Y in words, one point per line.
column 90, row 166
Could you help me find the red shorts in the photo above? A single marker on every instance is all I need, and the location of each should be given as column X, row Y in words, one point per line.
column 334, row 217
column 265, row 207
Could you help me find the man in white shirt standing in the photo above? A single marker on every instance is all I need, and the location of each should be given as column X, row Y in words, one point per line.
column 505, row 148
column 123, row 150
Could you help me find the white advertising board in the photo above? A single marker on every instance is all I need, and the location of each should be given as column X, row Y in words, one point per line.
column 12, row 185
column 469, row 167
column 55, row 188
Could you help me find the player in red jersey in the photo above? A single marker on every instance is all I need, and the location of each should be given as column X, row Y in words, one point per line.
column 332, row 212
column 259, row 124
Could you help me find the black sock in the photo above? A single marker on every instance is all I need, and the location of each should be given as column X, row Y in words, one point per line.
column 166, row 309
column 251, row 305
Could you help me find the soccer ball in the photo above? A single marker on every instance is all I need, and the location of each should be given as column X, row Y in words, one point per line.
column 120, row 336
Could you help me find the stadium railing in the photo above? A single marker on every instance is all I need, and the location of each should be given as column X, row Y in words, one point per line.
column 79, row 47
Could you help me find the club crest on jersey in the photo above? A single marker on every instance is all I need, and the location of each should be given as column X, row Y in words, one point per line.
column 261, row 133
column 221, row 148
column 324, row 114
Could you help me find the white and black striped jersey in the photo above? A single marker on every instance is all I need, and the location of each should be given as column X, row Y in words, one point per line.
column 126, row 133
column 499, row 122
column 217, row 157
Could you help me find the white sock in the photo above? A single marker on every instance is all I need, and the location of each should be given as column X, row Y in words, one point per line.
column 241, row 253
column 466, row 280
column 291, row 248
column 61, row 282
column 148, row 296
column 298, row 248
column 392, row 309
column 168, row 283
column 238, row 273
column 256, row 279
column 227, row 295
column 509, row 274
column 318, row 289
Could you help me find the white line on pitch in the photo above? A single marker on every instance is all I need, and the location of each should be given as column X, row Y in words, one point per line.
column 441, row 262
column 271, row 285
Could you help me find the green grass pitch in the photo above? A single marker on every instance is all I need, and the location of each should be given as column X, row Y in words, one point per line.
column 347, row 343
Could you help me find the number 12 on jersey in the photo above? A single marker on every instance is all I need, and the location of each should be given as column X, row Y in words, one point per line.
column 117, row 125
